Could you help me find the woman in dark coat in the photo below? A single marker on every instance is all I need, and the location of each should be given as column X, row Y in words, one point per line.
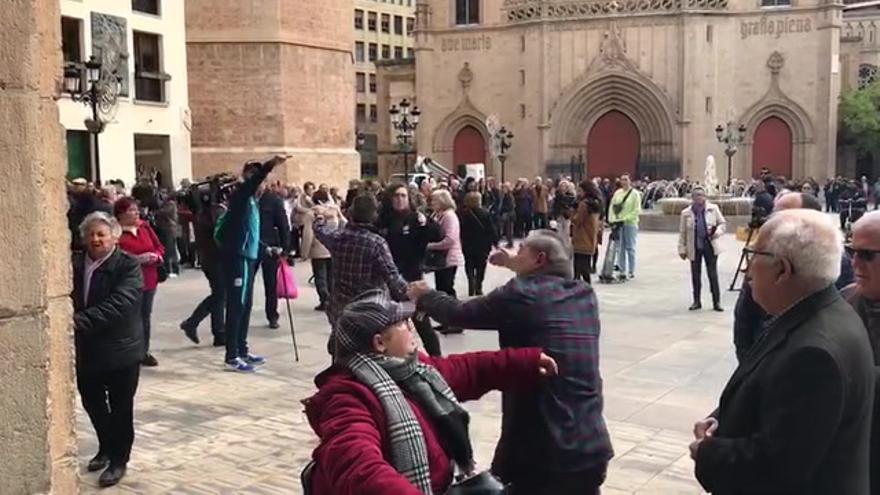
column 477, row 239
column 408, row 233
column 107, row 291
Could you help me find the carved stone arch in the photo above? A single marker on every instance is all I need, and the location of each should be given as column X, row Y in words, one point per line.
column 589, row 98
column 464, row 115
column 795, row 117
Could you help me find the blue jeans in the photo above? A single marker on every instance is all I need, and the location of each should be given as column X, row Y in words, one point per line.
column 627, row 257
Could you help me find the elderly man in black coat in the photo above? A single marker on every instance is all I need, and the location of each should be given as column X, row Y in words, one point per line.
column 864, row 296
column 795, row 417
column 107, row 290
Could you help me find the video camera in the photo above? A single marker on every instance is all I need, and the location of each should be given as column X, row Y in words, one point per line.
column 212, row 191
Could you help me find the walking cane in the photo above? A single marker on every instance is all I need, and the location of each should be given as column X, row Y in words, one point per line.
column 289, row 313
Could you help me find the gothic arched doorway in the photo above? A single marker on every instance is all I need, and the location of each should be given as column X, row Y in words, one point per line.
column 468, row 147
column 772, row 147
column 612, row 146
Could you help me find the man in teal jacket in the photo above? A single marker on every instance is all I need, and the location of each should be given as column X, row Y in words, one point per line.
column 238, row 234
column 626, row 206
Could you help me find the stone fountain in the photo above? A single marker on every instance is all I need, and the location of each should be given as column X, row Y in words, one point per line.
column 737, row 210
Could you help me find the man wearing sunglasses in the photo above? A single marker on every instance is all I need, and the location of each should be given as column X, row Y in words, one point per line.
column 864, row 295
column 749, row 319
column 795, row 417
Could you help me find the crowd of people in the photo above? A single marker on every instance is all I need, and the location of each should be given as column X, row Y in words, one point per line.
column 796, row 416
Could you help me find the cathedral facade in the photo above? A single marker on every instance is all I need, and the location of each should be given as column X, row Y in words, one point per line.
column 605, row 87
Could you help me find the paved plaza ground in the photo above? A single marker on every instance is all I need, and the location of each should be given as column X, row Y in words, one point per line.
column 204, row 431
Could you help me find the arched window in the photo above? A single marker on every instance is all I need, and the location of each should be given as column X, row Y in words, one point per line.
column 467, row 12
column 867, row 75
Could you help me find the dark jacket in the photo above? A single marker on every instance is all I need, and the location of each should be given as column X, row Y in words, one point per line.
column 203, row 228
column 274, row 226
column 477, row 233
column 559, row 427
column 108, row 328
column 408, row 240
column 795, row 417
column 236, row 221
column 525, row 201
column 353, row 456
column 763, row 203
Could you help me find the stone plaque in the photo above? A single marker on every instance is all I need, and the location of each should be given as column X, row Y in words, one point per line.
column 110, row 46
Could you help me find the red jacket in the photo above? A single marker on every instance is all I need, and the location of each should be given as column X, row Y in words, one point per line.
column 353, row 457
column 145, row 242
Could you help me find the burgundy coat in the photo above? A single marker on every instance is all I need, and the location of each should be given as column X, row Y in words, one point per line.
column 354, row 455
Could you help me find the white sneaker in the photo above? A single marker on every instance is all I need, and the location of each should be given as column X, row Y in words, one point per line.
column 172, row 275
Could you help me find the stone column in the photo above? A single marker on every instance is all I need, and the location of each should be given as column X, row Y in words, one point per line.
column 36, row 372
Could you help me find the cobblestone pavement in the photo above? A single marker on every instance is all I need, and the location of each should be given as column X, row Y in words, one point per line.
column 203, row 431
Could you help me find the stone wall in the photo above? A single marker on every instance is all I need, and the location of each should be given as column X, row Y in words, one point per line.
column 36, row 376
column 272, row 76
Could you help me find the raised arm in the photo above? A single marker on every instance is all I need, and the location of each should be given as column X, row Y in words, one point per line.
column 490, row 312
column 388, row 270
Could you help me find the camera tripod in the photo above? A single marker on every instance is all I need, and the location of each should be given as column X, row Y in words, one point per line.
column 742, row 257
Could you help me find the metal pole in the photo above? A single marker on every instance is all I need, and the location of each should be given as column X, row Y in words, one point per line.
column 502, row 158
column 729, row 161
column 96, row 173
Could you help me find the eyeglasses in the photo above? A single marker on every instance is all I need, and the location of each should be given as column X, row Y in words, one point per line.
column 866, row 255
column 752, row 253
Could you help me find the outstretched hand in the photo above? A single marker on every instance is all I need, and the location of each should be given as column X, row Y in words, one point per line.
column 547, row 366
column 500, row 258
column 416, row 290
column 275, row 161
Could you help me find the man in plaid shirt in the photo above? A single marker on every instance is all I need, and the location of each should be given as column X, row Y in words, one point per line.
column 361, row 258
column 553, row 441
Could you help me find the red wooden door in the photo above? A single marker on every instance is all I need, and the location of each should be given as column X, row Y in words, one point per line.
column 772, row 148
column 468, row 147
column 612, row 146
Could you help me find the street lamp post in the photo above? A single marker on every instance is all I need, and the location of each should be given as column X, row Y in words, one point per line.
column 730, row 136
column 577, row 166
column 405, row 120
column 504, row 140
column 88, row 83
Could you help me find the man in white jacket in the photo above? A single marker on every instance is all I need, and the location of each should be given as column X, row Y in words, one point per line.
column 701, row 225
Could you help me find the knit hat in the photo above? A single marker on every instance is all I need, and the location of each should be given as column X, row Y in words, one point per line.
column 368, row 314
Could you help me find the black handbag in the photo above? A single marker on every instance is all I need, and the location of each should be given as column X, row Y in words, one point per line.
column 434, row 260
column 483, row 483
column 162, row 271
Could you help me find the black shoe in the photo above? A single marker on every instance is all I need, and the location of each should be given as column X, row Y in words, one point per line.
column 274, row 325
column 150, row 361
column 718, row 308
column 111, row 476
column 321, row 307
column 192, row 333
column 478, row 292
column 218, row 342
column 98, row 462
column 695, row 306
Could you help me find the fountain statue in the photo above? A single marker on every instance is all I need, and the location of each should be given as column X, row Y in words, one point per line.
column 710, row 179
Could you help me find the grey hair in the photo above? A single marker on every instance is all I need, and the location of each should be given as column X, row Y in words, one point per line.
column 558, row 252
column 810, row 241
column 102, row 217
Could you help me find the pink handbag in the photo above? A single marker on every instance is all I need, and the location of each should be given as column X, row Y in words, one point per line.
column 285, row 281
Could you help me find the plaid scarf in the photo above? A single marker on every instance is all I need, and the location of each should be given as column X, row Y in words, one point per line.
column 385, row 376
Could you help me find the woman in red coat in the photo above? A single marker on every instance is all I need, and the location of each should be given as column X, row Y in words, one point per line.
column 139, row 240
column 379, row 383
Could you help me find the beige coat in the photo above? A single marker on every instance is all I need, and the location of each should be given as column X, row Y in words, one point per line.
column 714, row 218
column 311, row 248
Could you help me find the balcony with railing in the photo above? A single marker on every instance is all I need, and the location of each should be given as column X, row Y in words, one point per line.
column 518, row 11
